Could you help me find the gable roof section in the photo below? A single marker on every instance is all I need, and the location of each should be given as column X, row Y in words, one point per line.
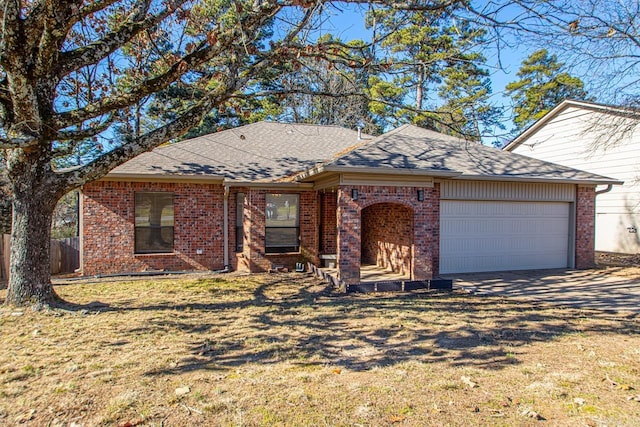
column 263, row 151
column 410, row 149
column 567, row 103
column 269, row 152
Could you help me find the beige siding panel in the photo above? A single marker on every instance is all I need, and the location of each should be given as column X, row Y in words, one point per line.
column 569, row 139
column 490, row 190
column 617, row 232
column 497, row 236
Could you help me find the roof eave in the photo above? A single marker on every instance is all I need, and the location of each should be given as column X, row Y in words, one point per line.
column 145, row 177
column 537, row 125
column 269, row 185
column 555, row 111
column 328, row 169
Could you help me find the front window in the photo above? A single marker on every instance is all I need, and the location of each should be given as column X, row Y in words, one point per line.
column 154, row 223
column 282, row 223
column 239, row 222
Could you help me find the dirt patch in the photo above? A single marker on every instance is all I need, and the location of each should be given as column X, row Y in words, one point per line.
column 613, row 259
column 627, row 265
column 288, row 350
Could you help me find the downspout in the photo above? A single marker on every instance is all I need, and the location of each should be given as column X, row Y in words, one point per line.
column 606, row 190
column 80, row 233
column 225, row 227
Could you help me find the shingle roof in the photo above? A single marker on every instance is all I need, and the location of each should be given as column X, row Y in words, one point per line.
column 262, row 151
column 414, row 148
column 269, row 152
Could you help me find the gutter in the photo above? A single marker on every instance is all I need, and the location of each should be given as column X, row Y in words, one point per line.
column 606, row 190
column 150, row 273
column 288, row 185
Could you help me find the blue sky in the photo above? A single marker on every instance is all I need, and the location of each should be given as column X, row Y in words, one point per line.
column 347, row 23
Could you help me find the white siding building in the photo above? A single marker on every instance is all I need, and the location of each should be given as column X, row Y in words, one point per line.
column 600, row 139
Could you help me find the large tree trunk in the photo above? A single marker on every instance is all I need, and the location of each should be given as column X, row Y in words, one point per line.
column 30, row 271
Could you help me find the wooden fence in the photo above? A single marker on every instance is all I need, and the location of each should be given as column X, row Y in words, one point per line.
column 65, row 255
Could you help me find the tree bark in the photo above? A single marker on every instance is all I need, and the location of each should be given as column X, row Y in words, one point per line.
column 30, row 271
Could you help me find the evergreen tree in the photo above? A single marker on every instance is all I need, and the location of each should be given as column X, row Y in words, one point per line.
column 328, row 90
column 542, row 86
column 432, row 63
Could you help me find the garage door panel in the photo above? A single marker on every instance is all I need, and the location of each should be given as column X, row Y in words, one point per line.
column 492, row 236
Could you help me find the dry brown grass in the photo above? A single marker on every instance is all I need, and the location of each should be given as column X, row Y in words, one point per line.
column 285, row 350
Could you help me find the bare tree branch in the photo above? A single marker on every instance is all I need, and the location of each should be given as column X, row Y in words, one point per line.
column 93, row 53
column 17, row 142
column 81, row 134
column 225, row 43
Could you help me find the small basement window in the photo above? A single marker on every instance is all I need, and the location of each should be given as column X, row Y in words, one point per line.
column 282, row 232
column 154, row 222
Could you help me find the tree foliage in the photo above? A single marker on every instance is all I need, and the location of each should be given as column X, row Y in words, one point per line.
column 542, row 86
column 77, row 75
column 328, row 90
column 79, row 78
column 433, row 61
column 597, row 40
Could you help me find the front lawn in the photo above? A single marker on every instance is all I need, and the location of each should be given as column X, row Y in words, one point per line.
column 286, row 350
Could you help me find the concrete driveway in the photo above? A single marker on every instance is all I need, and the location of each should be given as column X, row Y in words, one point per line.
column 595, row 289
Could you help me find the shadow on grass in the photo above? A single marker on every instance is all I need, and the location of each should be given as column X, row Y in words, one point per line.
column 307, row 324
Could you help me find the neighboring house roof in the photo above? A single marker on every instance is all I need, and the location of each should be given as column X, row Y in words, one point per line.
column 263, row 151
column 567, row 103
column 411, row 148
column 272, row 152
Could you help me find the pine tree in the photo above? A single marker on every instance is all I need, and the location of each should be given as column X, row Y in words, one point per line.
column 432, row 62
column 542, row 86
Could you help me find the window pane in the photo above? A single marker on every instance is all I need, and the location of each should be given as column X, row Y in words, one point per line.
column 154, row 240
column 282, row 223
column 281, row 237
column 282, row 210
column 239, row 209
column 154, row 222
column 154, row 209
column 239, row 221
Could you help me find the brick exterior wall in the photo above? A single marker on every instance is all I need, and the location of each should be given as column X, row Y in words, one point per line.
column 328, row 223
column 387, row 225
column 387, row 237
column 585, row 227
column 108, row 229
column 426, row 223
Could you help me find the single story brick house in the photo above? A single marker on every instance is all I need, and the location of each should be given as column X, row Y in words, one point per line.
column 412, row 201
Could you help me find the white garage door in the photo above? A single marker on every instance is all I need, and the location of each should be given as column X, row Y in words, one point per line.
column 496, row 236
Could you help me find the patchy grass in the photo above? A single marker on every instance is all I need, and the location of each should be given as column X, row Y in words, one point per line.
column 286, row 350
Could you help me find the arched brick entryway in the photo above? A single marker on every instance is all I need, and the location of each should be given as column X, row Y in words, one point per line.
column 387, row 237
column 353, row 200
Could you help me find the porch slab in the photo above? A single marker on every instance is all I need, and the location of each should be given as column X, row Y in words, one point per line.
column 374, row 273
